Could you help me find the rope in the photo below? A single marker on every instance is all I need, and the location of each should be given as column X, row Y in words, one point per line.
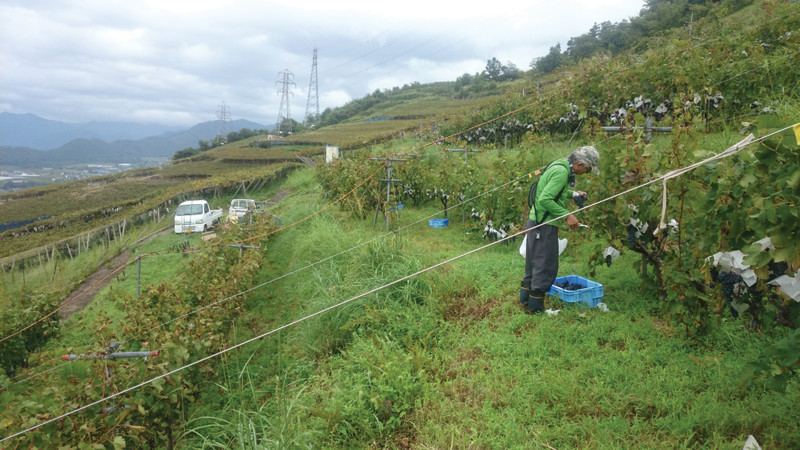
column 377, row 289
column 288, row 274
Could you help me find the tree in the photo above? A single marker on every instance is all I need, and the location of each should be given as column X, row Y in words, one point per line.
column 550, row 62
column 497, row 71
column 511, row 72
column 291, row 124
column 494, row 69
column 585, row 45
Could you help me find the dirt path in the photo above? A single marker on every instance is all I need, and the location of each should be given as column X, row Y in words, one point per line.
column 101, row 278
column 280, row 195
column 87, row 290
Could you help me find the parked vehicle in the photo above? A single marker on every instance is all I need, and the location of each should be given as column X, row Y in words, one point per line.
column 196, row 216
column 239, row 208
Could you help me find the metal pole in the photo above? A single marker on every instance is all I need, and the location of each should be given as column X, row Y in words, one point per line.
column 389, row 180
column 117, row 355
column 388, row 190
column 139, row 277
column 241, row 248
column 656, row 129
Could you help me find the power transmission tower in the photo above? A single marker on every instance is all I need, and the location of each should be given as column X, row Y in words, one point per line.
column 285, row 79
column 312, row 106
column 223, row 116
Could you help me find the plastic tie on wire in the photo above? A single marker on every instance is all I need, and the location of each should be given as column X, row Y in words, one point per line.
column 678, row 172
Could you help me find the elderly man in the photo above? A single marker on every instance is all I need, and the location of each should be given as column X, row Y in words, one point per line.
column 555, row 188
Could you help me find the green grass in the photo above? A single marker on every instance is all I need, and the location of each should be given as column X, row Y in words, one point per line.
column 448, row 358
column 451, row 360
column 588, row 378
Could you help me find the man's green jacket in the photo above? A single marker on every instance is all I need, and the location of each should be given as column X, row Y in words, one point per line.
column 551, row 182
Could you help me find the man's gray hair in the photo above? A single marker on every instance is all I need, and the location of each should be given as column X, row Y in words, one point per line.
column 588, row 156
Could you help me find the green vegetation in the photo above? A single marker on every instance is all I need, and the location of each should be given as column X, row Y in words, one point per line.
column 204, row 146
column 446, row 358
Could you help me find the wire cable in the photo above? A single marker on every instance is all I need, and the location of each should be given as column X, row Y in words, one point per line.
column 529, row 105
column 728, row 152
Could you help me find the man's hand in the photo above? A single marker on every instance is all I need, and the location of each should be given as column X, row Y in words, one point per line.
column 572, row 222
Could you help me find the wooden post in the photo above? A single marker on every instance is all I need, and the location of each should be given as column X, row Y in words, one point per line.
column 146, row 227
column 55, row 265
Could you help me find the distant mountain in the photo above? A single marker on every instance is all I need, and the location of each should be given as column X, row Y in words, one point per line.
column 29, row 130
column 93, row 150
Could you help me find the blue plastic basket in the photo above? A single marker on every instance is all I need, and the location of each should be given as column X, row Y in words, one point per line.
column 438, row 223
column 590, row 295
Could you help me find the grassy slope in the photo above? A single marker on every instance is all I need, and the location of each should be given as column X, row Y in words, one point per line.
column 458, row 363
column 449, row 359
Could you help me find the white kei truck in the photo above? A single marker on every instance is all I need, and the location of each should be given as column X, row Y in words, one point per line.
column 196, row 216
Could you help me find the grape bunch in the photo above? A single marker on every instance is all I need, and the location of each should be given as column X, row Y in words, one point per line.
column 632, row 230
column 567, row 286
column 580, row 200
column 728, row 280
column 777, row 269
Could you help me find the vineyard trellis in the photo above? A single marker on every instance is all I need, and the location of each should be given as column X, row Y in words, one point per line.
column 736, row 148
column 739, row 191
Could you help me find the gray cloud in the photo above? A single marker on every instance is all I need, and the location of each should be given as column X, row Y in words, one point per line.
column 174, row 61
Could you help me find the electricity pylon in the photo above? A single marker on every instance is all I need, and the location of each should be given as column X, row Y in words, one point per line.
column 285, row 79
column 312, row 106
column 223, row 116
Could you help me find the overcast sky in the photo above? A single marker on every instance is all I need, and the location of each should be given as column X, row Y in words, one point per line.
column 174, row 62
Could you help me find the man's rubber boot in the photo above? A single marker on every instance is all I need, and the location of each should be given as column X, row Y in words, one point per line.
column 536, row 302
column 524, row 293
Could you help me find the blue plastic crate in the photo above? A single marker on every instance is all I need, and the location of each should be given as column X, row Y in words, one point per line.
column 438, row 223
column 590, row 295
